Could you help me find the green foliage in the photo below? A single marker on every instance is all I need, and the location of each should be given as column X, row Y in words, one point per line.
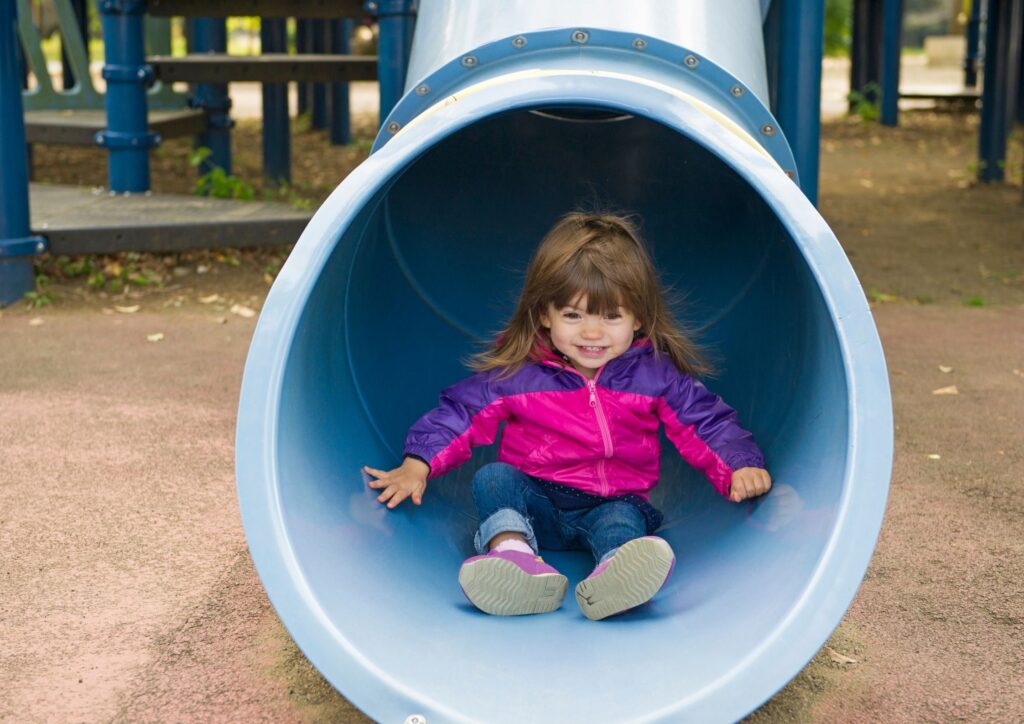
column 838, row 26
column 216, row 182
column 976, row 301
column 866, row 104
column 42, row 295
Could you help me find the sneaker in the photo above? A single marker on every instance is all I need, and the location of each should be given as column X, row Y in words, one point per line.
column 511, row 583
column 637, row 571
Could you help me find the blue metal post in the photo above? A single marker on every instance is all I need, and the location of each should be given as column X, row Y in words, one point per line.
column 973, row 31
column 397, row 20
column 211, row 36
column 798, row 95
column 998, row 105
column 17, row 244
column 277, row 142
column 127, row 136
column 892, row 43
column 865, row 51
column 319, row 115
column 304, row 44
column 341, row 44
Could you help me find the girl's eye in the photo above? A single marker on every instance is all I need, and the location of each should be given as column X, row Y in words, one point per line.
column 613, row 316
column 571, row 315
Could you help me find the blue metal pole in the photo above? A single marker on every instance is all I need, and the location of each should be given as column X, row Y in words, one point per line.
column 865, row 50
column 397, row 20
column 304, row 44
column 973, row 42
column 277, row 142
column 798, row 97
column 211, row 36
column 892, row 34
column 996, row 101
column 127, row 137
column 319, row 115
column 341, row 43
column 17, row 244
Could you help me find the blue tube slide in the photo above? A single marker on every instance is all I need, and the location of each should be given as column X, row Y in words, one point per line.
column 512, row 116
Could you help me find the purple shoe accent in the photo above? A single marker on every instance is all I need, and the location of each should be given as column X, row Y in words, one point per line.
column 631, row 577
column 512, row 583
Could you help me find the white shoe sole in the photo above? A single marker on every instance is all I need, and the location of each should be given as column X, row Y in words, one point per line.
column 501, row 588
column 636, row 572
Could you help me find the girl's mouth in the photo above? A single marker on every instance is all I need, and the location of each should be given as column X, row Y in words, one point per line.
column 588, row 351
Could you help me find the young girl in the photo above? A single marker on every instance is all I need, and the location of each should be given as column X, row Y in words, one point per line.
column 583, row 375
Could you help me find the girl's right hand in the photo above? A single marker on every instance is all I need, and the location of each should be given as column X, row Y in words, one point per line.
column 408, row 480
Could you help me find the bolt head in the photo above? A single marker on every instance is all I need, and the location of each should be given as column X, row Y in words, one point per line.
column 40, row 247
column 737, row 91
column 580, row 36
column 639, row 43
column 415, row 719
column 691, row 61
column 519, row 42
column 422, row 90
column 394, row 127
column 469, row 61
column 768, row 129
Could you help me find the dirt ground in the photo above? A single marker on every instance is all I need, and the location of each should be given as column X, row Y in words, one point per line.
column 100, row 624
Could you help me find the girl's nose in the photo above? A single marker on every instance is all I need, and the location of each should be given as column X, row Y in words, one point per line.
column 592, row 329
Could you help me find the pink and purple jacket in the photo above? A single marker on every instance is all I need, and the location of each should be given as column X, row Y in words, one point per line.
column 599, row 436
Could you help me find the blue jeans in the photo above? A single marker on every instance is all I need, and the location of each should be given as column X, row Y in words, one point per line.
column 510, row 501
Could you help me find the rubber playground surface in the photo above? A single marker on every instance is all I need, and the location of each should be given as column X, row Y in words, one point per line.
column 127, row 589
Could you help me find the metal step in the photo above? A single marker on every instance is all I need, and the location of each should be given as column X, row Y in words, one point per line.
column 77, row 220
column 79, row 128
column 270, row 68
column 261, row 8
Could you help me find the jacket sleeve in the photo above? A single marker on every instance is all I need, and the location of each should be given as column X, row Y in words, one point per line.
column 706, row 432
column 468, row 415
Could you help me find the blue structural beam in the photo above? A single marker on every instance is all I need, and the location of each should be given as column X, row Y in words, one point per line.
column 1000, row 85
column 797, row 90
column 127, row 136
column 865, row 73
column 892, row 34
column 209, row 35
column 318, row 117
column 340, row 43
column 396, row 20
column 17, row 245
column 973, row 32
column 277, row 141
column 81, row 10
column 304, row 44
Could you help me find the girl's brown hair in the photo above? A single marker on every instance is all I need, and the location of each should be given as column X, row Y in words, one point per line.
column 600, row 256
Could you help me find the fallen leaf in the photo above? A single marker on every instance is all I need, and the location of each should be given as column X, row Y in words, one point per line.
column 838, row 657
column 243, row 311
column 128, row 310
column 951, row 390
column 210, row 299
column 202, row 269
column 866, row 183
column 944, row 369
column 155, row 337
column 35, row 321
column 1000, row 452
column 1018, row 373
column 220, row 320
column 933, row 456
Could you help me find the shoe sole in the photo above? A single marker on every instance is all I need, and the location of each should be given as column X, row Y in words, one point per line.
column 501, row 588
column 637, row 572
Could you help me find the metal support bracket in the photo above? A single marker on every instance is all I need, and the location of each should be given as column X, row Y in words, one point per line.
column 29, row 246
column 124, row 139
column 123, row 7
column 390, row 8
column 129, row 74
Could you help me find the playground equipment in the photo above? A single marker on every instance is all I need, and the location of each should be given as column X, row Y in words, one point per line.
column 512, row 115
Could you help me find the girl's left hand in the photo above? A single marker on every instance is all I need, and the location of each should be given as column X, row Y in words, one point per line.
column 749, row 483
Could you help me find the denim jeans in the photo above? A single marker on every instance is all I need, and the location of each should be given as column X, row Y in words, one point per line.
column 508, row 500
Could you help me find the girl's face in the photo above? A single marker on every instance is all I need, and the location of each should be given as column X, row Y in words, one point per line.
column 590, row 341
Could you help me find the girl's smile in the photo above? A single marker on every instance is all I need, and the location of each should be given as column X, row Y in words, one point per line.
column 590, row 341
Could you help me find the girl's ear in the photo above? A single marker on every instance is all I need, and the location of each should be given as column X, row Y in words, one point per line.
column 545, row 320
column 636, row 325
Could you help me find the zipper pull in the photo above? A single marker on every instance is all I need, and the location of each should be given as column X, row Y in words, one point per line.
column 593, row 392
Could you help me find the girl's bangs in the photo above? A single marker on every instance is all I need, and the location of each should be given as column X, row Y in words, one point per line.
column 581, row 279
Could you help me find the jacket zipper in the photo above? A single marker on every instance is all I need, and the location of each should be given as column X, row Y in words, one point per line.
column 602, row 423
